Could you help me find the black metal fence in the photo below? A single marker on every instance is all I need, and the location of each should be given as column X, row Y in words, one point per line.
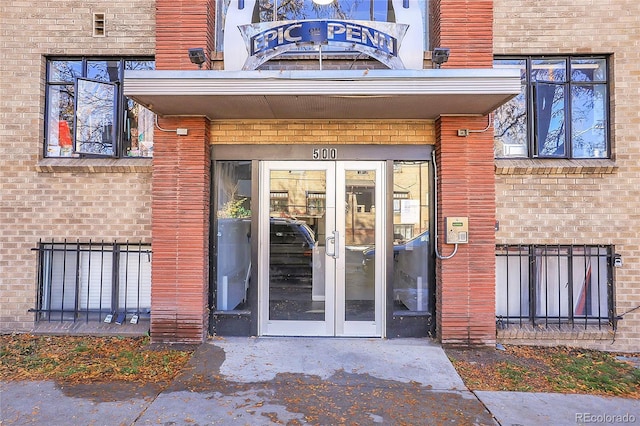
column 108, row 282
column 541, row 285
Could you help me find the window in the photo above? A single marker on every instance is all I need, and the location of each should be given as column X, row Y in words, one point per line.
column 561, row 111
column 86, row 113
column 360, row 198
column 316, row 203
column 543, row 285
column 376, row 10
column 397, row 200
column 402, row 232
column 232, row 249
column 371, row 10
column 92, row 281
column 412, row 265
column 279, row 202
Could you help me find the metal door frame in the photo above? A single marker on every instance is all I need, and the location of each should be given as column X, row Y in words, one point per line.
column 334, row 323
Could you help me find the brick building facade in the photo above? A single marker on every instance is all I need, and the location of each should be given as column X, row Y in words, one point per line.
column 161, row 217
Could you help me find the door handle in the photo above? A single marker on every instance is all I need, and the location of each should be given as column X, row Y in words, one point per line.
column 335, row 239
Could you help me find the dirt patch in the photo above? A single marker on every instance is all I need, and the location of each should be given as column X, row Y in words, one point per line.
column 543, row 369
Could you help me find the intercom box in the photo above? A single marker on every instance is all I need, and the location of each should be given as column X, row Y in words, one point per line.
column 457, row 230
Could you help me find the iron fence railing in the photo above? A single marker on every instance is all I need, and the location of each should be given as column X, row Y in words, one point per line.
column 93, row 281
column 543, row 285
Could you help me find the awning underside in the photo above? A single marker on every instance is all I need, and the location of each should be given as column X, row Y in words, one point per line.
column 375, row 94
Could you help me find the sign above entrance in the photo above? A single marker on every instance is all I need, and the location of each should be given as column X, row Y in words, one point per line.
column 380, row 40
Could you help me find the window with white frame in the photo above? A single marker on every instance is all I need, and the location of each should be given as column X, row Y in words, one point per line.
column 562, row 110
column 92, row 281
column 88, row 116
column 552, row 284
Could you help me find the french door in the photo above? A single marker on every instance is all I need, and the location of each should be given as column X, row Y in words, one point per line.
column 319, row 271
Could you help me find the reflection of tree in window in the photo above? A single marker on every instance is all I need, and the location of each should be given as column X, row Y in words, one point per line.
column 588, row 121
column 376, row 10
column 139, row 121
column 567, row 100
column 510, row 125
column 510, row 120
column 64, row 71
column 110, row 126
column 550, row 119
column 549, row 77
column 95, row 118
column 103, row 70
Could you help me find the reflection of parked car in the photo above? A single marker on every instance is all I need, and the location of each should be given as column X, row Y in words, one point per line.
column 290, row 249
column 419, row 242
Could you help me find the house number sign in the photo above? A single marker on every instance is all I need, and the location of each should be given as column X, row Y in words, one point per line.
column 324, row 153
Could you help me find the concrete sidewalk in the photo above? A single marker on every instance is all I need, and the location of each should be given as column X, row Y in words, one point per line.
column 263, row 381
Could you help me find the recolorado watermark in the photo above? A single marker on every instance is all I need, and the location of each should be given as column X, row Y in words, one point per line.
column 584, row 418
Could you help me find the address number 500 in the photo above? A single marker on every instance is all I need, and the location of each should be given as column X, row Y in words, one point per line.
column 325, row 153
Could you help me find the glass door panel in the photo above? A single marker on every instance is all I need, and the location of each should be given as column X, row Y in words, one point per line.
column 292, row 243
column 297, row 197
column 359, row 217
column 318, row 222
column 411, row 249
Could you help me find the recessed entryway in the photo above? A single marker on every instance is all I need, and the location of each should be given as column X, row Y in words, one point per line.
column 320, row 274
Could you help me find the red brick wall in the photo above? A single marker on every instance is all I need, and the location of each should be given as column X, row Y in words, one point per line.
column 466, row 283
column 181, row 186
column 466, row 187
column 180, row 25
column 180, row 230
column 465, row 27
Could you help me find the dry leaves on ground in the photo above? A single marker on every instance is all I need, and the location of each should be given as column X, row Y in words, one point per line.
column 547, row 369
column 75, row 359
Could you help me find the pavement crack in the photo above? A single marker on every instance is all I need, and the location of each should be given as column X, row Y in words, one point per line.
column 146, row 407
column 485, row 407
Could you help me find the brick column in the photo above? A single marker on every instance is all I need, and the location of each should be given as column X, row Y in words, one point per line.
column 181, row 25
column 466, row 187
column 180, row 228
column 465, row 297
column 181, row 186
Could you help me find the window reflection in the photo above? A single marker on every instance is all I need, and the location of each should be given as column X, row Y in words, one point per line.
column 111, row 126
column 510, row 120
column 139, row 123
column 95, row 118
column 368, row 10
column 550, row 123
column 411, row 252
column 561, row 111
column 64, row 71
column 588, row 121
column 103, row 70
column 281, row 10
column 60, row 120
column 233, row 230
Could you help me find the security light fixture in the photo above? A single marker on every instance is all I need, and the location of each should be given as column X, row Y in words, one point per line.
column 323, row 2
column 439, row 56
column 197, row 56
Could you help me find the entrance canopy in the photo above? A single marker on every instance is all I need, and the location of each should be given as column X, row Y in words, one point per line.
column 330, row 94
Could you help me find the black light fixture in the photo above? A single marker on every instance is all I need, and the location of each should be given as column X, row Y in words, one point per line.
column 439, row 56
column 197, row 56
